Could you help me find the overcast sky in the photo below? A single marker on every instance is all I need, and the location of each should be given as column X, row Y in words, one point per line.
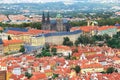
column 18, row 1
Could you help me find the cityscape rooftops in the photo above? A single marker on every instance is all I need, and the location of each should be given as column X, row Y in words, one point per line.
column 17, row 17
column 3, row 18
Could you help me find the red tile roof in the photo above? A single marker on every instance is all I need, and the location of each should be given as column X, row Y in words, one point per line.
column 77, row 54
column 30, row 31
column 84, row 28
column 36, row 31
column 63, row 47
column 17, row 17
column 3, row 18
column 1, row 28
column 94, row 56
column 115, row 58
column 38, row 76
column 92, row 65
column 105, row 27
column 75, row 28
column 88, row 28
column 16, row 32
column 8, row 42
column 34, row 78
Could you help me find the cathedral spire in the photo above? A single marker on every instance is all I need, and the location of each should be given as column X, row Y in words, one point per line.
column 43, row 18
column 48, row 18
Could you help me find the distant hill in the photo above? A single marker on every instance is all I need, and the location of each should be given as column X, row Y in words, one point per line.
column 56, row 6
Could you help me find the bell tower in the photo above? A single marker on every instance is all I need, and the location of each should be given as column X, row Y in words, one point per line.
column 59, row 20
column 43, row 21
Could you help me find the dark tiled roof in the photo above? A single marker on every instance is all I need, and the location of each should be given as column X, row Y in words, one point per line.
column 31, row 48
column 54, row 21
column 62, row 33
column 117, row 24
column 1, row 42
column 16, row 29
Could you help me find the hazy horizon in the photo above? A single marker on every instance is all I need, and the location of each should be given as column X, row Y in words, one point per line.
column 30, row 1
column 65, row 1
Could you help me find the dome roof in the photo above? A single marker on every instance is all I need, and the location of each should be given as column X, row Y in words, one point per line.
column 59, row 16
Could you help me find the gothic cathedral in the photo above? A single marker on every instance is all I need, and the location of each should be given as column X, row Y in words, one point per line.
column 58, row 24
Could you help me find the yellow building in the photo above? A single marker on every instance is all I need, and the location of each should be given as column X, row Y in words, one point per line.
column 12, row 45
column 8, row 76
column 29, row 37
column 93, row 67
column 24, row 37
column 48, row 73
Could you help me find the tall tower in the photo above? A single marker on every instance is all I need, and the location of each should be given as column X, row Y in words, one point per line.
column 43, row 18
column 48, row 18
column 48, row 22
column 43, row 21
column 60, row 26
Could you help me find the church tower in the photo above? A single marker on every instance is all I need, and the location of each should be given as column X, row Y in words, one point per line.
column 43, row 21
column 60, row 26
column 48, row 18
column 48, row 22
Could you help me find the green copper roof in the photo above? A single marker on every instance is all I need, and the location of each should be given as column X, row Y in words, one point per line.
column 59, row 16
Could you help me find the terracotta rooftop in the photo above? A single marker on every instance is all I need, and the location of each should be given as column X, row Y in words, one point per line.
column 7, row 42
column 30, row 31
column 105, row 27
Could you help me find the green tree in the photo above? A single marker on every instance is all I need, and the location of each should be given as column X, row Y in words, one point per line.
column 77, row 69
column 45, row 52
column 28, row 75
column 54, row 50
column 1, row 31
column 114, row 42
column 75, row 50
column 76, row 43
column 73, row 58
column 36, row 25
column 47, row 46
column 9, row 38
column 110, row 70
column 66, row 39
column 106, row 37
column 22, row 49
column 55, row 76
column 84, row 39
column 67, row 42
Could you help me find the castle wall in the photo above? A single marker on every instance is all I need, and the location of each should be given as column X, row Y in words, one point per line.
column 37, row 41
column 57, row 39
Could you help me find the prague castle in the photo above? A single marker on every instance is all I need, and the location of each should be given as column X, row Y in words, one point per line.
column 58, row 24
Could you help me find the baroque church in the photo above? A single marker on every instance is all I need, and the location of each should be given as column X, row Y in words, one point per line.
column 57, row 24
